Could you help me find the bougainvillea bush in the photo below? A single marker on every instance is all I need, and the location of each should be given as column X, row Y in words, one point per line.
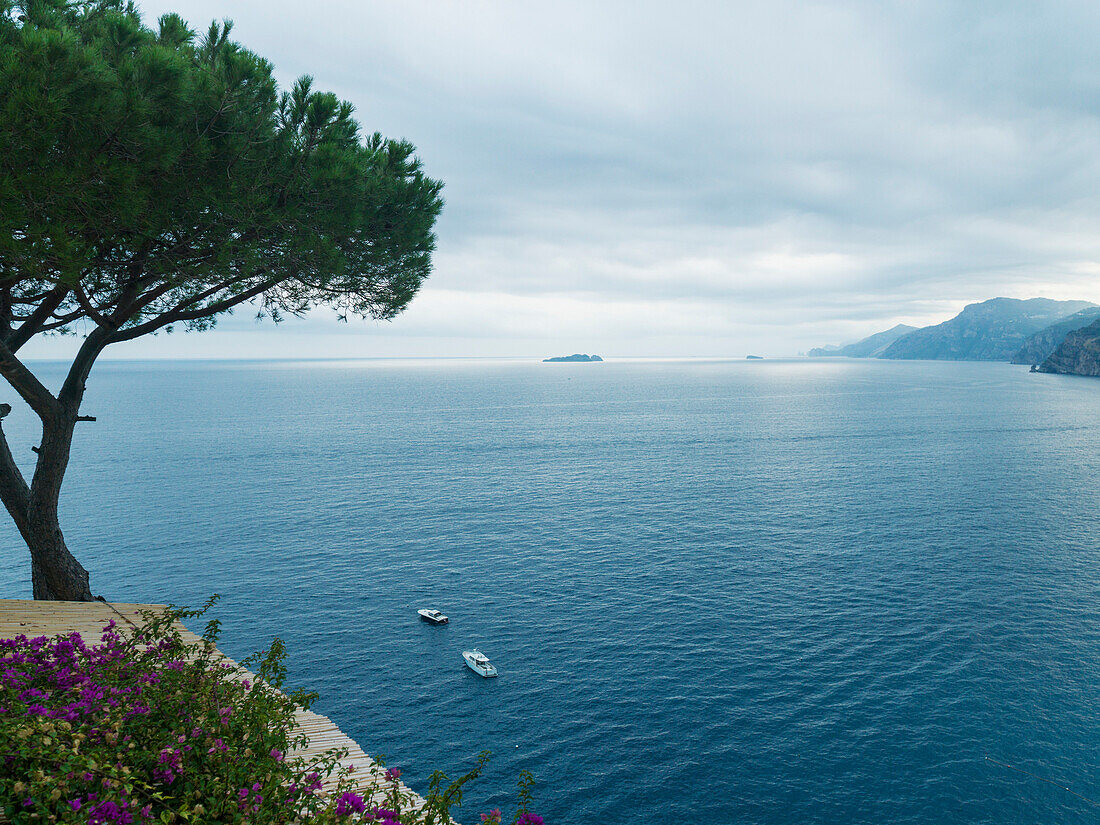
column 144, row 727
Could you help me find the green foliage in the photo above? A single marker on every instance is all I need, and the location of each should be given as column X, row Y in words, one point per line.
column 148, row 728
column 152, row 176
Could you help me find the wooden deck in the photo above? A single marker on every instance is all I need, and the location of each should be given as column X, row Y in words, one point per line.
column 34, row 618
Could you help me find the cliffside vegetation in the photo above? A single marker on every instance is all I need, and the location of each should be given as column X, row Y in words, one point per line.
column 140, row 727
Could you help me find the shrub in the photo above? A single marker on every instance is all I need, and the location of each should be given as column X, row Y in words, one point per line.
column 145, row 727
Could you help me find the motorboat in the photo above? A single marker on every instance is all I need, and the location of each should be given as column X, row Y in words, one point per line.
column 433, row 616
column 476, row 661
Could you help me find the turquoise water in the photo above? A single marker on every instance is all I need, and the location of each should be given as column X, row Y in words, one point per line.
column 768, row 592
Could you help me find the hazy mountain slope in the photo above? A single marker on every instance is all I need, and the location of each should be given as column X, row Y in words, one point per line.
column 868, row 347
column 1078, row 354
column 993, row 330
column 1040, row 346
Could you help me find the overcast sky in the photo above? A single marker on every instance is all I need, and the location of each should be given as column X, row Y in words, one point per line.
column 703, row 178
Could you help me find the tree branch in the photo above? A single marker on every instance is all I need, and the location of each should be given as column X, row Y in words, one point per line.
column 37, row 319
column 72, row 391
column 89, row 310
column 177, row 315
column 14, row 491
column 30, row 389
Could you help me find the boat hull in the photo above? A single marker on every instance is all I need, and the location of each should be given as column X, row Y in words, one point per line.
column 483, row 669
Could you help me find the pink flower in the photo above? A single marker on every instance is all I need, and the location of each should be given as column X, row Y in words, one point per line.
column 393, row 774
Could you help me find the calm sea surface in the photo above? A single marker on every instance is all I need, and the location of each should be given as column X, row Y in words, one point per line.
column 717, row 592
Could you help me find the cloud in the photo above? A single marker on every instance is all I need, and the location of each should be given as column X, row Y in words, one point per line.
column 709, row 177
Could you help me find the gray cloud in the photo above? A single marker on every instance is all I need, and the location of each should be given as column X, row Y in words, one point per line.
column 712, row 178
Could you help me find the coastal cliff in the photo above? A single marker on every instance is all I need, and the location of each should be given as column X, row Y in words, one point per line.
column 1078, row 354
column 1042, row 344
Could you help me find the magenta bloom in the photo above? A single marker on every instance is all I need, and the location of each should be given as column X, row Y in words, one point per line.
column 350, row 803
column 393, row 774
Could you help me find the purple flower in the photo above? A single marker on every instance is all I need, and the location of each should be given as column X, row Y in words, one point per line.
column 393, row 774
column 107, row 811
column 528, row 818
column 348, row 803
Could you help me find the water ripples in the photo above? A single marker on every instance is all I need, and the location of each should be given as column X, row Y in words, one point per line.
column 716, row 592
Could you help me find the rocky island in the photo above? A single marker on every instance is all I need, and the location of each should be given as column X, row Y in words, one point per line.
column 575, row 358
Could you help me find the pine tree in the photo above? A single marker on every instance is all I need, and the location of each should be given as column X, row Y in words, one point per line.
column 153, row 179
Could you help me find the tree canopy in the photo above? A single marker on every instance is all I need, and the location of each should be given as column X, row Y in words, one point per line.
column 153, row 178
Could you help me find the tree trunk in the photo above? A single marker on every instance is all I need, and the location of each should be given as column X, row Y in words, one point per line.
column 55, row 572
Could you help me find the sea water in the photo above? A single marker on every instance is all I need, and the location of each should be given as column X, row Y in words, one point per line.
column 716, row 591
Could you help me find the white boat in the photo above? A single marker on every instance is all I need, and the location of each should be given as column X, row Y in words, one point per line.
column 476, row 661
column 433, row 616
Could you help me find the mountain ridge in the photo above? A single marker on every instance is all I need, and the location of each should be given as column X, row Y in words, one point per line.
column 868, row 347
column 992, row 330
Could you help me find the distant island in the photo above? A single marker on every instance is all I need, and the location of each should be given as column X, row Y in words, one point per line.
column 575, row 358
column 754, row 357
column 1038, row 331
